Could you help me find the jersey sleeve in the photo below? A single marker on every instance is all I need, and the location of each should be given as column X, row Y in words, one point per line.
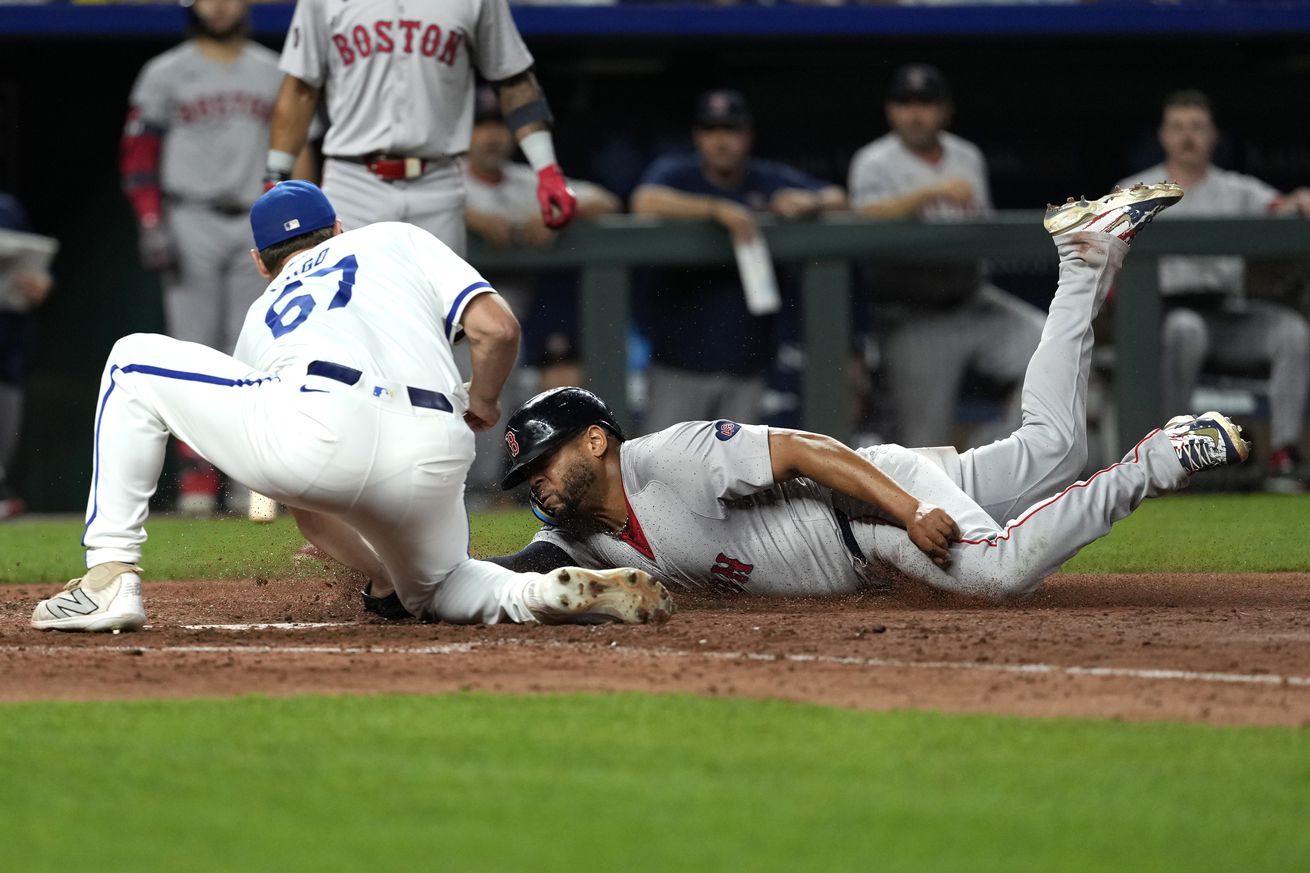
column 453, row 278
column 869, row 181
column 786, row 176
column 149, row 99
column 579, row 553
column 304, row 52
column 668, row 171
column 1257, row 196
column 708, row 461
column 499, row 51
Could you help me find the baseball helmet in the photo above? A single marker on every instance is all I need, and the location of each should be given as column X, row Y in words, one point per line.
column 546, row 422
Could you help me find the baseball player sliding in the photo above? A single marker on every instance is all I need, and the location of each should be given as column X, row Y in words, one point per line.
column 730, row 507
column 342, row 401
column 399, row 82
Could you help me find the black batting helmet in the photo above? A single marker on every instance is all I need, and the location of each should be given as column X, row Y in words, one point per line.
column 546, row 422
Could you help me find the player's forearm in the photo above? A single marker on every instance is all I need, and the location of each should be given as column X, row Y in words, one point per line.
column 901, row 206
column 493, row 336
column 826, row 461
column 667, row 203
column 292, row 113
column 517, row 94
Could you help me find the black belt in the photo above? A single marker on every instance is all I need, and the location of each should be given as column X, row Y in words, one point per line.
column 848, row 535
column 349, row 376
column 226, row 208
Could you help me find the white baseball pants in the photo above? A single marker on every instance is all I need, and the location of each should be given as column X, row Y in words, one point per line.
column 391, row 470
column 1019, row 516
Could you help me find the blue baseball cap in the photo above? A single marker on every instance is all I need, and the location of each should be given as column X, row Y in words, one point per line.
column 289, row 209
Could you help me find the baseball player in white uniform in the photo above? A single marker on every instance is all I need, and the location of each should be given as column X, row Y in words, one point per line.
column 342, row 401
column 730, row 507
column 400, row 79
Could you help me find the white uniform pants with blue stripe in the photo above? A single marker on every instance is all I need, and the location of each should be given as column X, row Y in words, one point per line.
column 393, row 471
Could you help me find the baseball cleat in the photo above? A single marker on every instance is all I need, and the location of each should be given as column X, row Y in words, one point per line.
column 1120, row 213
column 107, row 598
column 572, row 595
column 1205, row 441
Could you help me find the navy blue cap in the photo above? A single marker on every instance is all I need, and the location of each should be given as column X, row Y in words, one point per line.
column 723, row 108
column 287, row 210
column 918, row 83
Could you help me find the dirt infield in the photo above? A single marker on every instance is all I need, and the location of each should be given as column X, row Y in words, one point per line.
column 1221, row 649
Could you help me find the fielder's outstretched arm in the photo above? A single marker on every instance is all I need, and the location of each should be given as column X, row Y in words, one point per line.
column 796, row 453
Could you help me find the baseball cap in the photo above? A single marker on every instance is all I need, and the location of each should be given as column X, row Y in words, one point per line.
column 289, row 209
column 723, row 108
column 486, row 105
column 922, row 83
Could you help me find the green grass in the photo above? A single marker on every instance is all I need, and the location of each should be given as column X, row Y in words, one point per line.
column 1197, row 533
column 633, row 783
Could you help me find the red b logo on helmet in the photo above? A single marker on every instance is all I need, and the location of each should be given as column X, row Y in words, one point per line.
column 512, row 444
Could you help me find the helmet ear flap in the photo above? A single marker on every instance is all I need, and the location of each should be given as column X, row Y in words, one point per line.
column 541, row 512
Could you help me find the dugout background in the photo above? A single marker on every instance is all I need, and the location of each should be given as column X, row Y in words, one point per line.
column 1058, row 114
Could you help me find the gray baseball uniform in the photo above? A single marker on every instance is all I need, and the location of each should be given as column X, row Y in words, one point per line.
column 213, row 118
column 705, row 512
column 939, row 318
column 399, row 81
column 1211, row 321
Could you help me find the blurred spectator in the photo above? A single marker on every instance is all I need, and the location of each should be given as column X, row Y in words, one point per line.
column 502, row 210
column 22, row 287
column 1209, row 323
column 936, row 321
column 709, row 354
column 192, row 163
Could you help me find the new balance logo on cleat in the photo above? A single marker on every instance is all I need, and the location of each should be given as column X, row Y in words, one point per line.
column 74, row 602
column 1206, row 441
column 1119, row 213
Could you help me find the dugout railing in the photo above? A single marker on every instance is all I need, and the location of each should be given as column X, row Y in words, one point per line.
column 607, row 250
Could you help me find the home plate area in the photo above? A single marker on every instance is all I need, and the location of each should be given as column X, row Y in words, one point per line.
column 1229, row 649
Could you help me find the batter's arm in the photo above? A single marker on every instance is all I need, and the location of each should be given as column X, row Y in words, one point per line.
column 289, row 129
column 518, row 92
column 493, row 336
column 796, row 453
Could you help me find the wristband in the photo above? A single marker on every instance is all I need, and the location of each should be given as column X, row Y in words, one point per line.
column 539, row 149
column 279, row 164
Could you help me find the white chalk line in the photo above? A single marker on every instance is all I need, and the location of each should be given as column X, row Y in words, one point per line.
column 1153, row 674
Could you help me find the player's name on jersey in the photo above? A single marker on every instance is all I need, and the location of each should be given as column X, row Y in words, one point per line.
column 402, row 36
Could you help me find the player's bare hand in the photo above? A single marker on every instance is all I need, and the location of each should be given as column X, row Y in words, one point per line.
column 535, row 234
column 737, row 219
column 556, row 198
column 482, row 414
column 956, row 190
column 34, row 285
column 794, row 203
column 932, row 531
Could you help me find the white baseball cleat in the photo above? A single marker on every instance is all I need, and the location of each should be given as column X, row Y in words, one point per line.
column 572, row 595
column 107, row 598
column 1120, row 213
column 1206, row 441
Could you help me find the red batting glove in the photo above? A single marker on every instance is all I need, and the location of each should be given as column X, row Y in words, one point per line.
column 555, row 195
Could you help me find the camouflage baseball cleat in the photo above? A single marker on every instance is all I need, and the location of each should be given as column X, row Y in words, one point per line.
column 1120, row 213
column 1205, row 441
column 572, row 595
column 107, row 598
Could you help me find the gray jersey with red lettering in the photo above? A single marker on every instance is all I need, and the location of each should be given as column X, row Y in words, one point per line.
column 399, row 73
column 706, row 514
column 214, row 119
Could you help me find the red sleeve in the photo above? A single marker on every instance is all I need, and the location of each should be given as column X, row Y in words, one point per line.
column 139, row 165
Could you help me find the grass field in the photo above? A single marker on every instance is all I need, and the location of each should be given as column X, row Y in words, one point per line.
column 626, row 782
column 634, row 783
column 1241, row 533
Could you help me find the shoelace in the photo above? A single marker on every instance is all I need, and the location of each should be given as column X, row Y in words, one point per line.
column 1197, row 451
